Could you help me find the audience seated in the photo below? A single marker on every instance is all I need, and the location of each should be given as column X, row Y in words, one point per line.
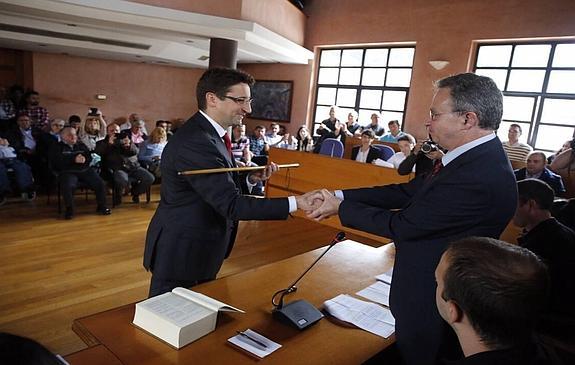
column 564, row 147
column 554, row 243
column 365, row 152
column 167, row 127
column 16, row 350
column 536, row 169
column 25, row 140
column 47, row 139
column 406, row 142
column 491, row 294
column 241, row 146
column 374, row 125
column 274, row 139
column 421, row 161
column 138, row 134
column 7, row 111
column 516, row 151
column 304, row 140
column 351, row 127
column 394, row 132
column 71, row 159
column 330, row 127
column 22, row 173
column 259, row 146
column 120, row 155
column 39, row 117
column 151, row 151
column 92, row 129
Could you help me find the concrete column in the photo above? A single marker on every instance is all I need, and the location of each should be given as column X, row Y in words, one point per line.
column 223, row 53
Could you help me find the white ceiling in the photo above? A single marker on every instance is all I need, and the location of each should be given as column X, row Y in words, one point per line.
column 122, row 30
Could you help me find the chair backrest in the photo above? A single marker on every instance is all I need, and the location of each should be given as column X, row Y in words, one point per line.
column 385, row 152
column 331, row 147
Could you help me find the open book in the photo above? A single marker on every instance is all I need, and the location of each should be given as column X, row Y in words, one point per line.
column 179, row 317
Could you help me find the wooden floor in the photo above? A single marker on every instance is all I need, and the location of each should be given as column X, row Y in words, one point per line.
column 53, row 271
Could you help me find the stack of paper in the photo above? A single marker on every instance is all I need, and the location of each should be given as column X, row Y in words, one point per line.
column 377, row 292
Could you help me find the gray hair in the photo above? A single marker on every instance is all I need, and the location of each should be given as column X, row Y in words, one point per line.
column 477, row 94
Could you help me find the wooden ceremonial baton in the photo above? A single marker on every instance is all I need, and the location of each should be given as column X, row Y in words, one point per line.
column 232, row 169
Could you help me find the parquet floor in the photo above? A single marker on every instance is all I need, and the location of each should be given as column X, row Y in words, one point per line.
column 53, row 271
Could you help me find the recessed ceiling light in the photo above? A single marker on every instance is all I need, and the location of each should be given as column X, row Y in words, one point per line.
column 42, row 45
column 138, row 56
column 189, row 41
column 203, row 58
column 71, row 25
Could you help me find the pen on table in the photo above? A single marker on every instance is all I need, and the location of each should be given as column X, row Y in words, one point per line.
column 243, row 334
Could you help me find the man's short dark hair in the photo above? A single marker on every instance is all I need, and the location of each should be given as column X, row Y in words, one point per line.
column 478, row 94
column 536, row 190
column 369, row 133
column 407, row 137
column 501, row 288
column 125, row 133
column 259, row 127
column 516, row 126
column 393, row 122
column 219, row 80
column 158, row 122
column 74, row 119
column 30, row 93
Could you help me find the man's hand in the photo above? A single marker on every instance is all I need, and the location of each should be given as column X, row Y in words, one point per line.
column 309, row 201
column 263, row 175
column 329, row 207
column 80, row 159
column 417, row 147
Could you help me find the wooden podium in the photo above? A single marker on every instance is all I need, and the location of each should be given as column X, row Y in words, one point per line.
column 347, row 268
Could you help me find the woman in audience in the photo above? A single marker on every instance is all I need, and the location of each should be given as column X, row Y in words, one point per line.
column 366, row 152
column 304, row 139
column 241, row 146
column 151, row 150
column 92, row 129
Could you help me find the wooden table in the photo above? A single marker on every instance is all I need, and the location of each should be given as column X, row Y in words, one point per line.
column 347, row 268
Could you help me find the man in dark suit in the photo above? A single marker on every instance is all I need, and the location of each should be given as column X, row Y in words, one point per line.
column 194, row 227
column 473, row 194
column 536, row 169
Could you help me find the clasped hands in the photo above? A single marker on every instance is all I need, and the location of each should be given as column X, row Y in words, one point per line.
column 318, row 204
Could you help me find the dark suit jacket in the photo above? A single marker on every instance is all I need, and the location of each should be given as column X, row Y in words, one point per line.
column 551, row 178
column 474, row 195
column 372, row 154
column 194, row 227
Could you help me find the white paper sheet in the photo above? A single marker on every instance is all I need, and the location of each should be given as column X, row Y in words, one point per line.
column 377, row 292
column 386, row 276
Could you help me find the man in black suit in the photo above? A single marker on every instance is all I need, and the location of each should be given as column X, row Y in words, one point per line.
column 537, row 169
column 473, row 194
column 194, row 227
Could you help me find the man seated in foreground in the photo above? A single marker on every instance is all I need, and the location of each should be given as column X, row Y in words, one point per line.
column 491, row 293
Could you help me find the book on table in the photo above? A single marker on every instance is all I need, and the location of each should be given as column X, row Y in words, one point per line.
column 180, row 316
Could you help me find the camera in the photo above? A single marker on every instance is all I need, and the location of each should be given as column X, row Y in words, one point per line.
column 429, row 146
column 93, row 112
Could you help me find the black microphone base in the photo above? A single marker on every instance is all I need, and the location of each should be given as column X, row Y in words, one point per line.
column 299, row 314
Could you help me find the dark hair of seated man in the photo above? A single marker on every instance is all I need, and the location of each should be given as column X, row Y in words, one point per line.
column 21, row 350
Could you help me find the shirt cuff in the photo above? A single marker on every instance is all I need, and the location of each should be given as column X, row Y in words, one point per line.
column 292, row 204
column 249, row 184
column 338, row 194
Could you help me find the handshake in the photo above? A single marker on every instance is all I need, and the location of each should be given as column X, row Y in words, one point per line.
column 318, row 204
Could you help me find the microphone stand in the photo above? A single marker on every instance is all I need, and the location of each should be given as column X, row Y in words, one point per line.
column 300, row 313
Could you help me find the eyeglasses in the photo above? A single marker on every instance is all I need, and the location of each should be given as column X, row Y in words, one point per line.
column 240, row 101
column 434, row 115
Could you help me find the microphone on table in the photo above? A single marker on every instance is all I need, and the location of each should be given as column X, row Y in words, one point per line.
column 300, row 313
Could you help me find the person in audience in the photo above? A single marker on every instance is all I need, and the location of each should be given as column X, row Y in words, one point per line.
column 351, row 127
column 491, row 293
column 241, row 146
column 194, row 227
column 259, row 146
column 425, row 214
column 330, row 127
column 564, row 162
column 169, row 129
column 26, row 141
column 420, row 161
column 377, row 129
column 92, row 129
column 563, row 148
column 7, row 111
column 516, row 151
column 71, row 159
column 39, row 116
column 551, row 241
column 406, row 143
column 127, row 123
column 150, row 154
column 52, row 137
column 304, row 140
column 365, row 152
column 394, row 132
column 536, row 169
column 22, row 173
column 21, row 350
column 74, row 121
column 273, row 138
column 120, row 154
column 138, row 136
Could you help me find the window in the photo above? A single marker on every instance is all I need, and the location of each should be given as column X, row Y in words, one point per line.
column 538, row 84
column 366, row 80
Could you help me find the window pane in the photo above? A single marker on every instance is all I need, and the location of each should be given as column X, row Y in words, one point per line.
column 564, row 55
column 365, row 116
column 561, row 82
column 393, row 100
column 387, row 116
column 531, row 55
column 493, row 56
column 351, row 57
column 327, row 76
column 498, row 76
column 503, row 131
column 526, row 80
column 518, row 108
column 398, row 77
column 373, row 76
column 376, row 57
column 401, row 57
column 370, row 99
column 346, row 97
column 321, row 113
column 349, row 76
column 326, row 95
column 551, row 137
column 558, row 111
column 330, row 57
